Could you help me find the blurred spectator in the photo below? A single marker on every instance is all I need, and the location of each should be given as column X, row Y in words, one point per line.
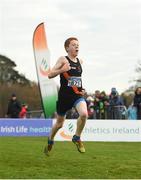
column 14, row 107
column 104, row 102
column 114, row 98
column 90, row 105
column 97, row 104
column 72, row 114
column 115, row 105
column 132, row 112
column 137, row 102
column 23, row 112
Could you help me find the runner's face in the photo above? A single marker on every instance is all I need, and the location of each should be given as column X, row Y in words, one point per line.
column 73, row 48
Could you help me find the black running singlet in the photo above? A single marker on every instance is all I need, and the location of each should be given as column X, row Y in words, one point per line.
column 70, row 81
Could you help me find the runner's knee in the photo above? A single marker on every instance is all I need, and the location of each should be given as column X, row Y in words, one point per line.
column 59, row 124
column 84, row 115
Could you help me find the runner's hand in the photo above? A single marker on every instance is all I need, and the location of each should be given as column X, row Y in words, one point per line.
column 65, row 67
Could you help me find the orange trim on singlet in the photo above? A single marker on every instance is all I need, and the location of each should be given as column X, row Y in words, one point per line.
column 75, row 89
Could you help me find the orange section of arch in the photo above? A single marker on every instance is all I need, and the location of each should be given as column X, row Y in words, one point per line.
column 39, row 40
column 65, row 136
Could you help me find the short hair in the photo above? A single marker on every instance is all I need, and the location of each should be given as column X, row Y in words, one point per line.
column 13, row 95
column 67, row 42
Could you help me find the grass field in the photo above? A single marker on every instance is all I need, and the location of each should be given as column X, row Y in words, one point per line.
column 22, row 157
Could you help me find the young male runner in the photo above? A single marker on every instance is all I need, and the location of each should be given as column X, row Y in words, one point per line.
column 70, row 93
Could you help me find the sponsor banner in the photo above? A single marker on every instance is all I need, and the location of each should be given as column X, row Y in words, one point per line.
column 48, row 87
column 103, row 130
column 26, row 127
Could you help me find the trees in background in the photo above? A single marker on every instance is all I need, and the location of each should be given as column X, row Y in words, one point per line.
column 8, row 74
column 138, row 71
column 11, row 81
column 128, row 95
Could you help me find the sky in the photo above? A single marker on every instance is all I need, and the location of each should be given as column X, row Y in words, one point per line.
column 109, row 33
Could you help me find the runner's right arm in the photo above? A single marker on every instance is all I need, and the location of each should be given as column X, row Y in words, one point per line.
column 62, row 65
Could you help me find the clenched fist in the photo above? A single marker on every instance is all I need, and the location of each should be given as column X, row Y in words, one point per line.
column 66, row 66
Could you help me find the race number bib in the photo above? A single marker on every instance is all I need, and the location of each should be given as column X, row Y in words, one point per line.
column 74, row 81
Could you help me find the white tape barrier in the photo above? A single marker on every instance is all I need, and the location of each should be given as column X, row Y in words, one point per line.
column 103, row 130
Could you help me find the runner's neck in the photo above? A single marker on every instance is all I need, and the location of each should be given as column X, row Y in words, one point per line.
column 74, row 59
